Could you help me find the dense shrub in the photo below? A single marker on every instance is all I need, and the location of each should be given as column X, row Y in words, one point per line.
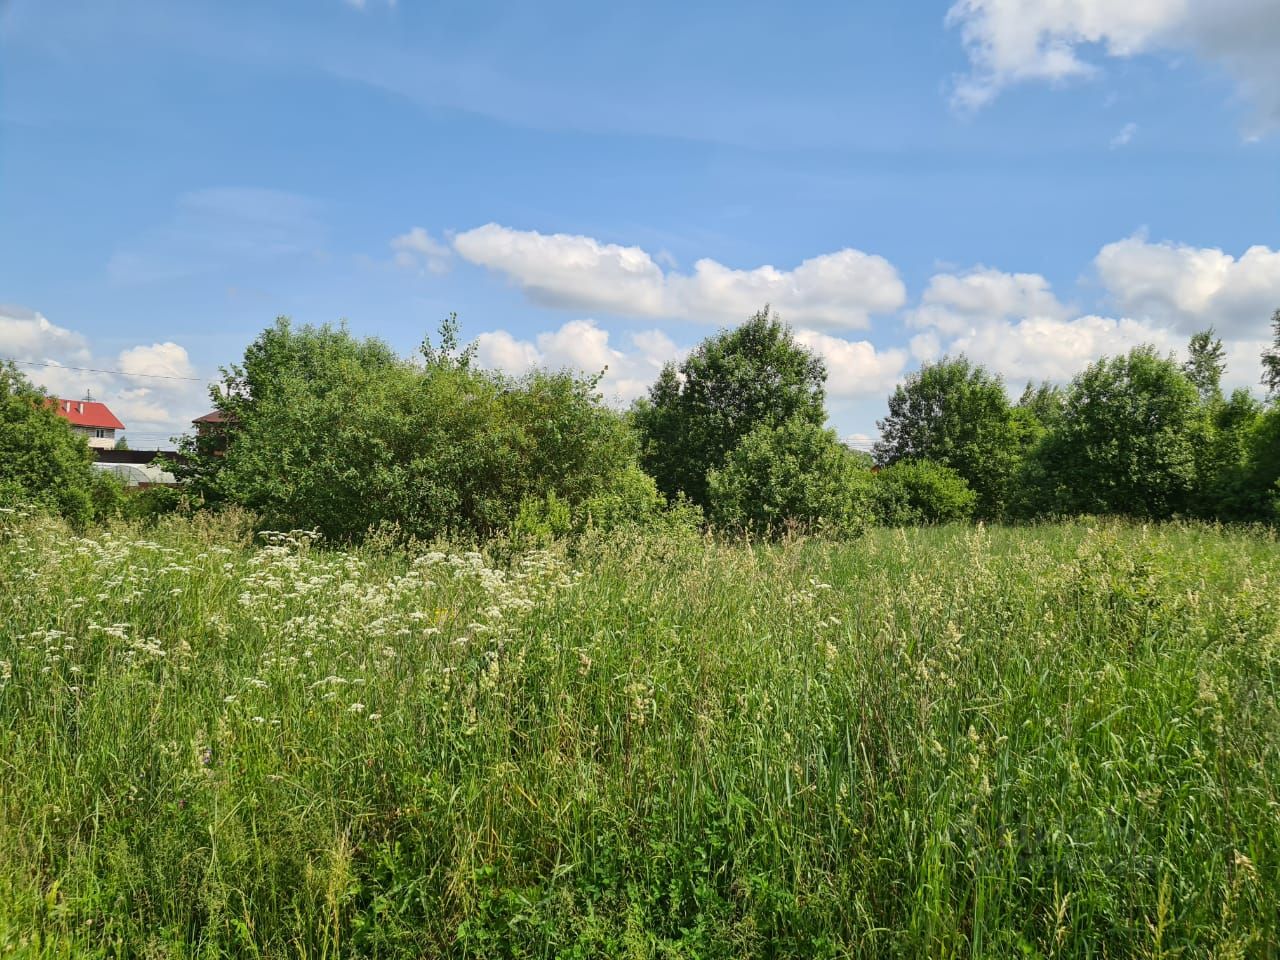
column 109, row 495
column 338, row 435
column 43, row 462
column 632, row 500
column 796, row 473
column 913, row 492
column 151, row 503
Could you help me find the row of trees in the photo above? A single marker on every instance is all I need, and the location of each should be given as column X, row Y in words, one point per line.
column 1137, row 435
column 326, row 430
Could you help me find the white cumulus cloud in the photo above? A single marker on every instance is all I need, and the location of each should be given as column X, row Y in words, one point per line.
column 583, row 347
column 954, row 303
column 28, row 335
column 855, row 367
column 152, row 410
column 1014, row 324
column 1192, row 288
column 1044, row 348
column 833, row 290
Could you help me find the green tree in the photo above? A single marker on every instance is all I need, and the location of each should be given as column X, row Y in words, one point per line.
column 794, row 473
column 1228, row 479
column 957, row 414
column 1126, row 442
column 42, row 460
column 358, row 438
column 1205, row 365
column 281, row 361
column 1044, row 403
column 740, row 379
column 1271, row 360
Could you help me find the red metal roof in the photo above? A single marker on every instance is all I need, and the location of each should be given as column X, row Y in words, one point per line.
column 217, row 416
column 87, row 413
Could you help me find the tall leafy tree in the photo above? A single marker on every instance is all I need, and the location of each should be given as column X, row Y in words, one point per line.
column 740, row 379
column 1205, row 365
column 1127, row 440
column 283, row 361
column 1044, row 402
column 957, row 414
column 1271, row 360
column 1230, row 478
column 42, row 460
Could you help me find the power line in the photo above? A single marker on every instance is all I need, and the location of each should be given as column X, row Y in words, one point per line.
column 119, row 373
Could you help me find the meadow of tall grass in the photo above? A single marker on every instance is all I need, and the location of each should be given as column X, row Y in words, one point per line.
column 1048, row 741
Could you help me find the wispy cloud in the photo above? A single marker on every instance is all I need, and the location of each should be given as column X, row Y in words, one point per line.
column 1010, row 42
column 220, row 226
column 1125, row 136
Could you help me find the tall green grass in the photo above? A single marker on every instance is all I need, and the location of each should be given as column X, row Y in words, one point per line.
column 1053, row 741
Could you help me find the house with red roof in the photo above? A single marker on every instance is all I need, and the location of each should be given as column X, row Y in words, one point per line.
column 90, row 419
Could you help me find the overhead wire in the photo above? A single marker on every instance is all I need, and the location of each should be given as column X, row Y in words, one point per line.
column 118, row 373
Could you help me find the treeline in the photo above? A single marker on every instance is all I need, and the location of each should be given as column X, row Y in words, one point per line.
column 324, row 430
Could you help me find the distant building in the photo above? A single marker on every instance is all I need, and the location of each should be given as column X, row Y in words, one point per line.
column 211, row 430
column 90, row 419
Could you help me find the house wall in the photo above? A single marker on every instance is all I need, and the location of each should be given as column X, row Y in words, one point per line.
column 104, row 442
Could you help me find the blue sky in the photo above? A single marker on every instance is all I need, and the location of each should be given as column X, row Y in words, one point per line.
column 590, row 184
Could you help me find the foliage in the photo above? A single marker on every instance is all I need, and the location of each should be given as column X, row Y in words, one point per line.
column 1254, row 488
column 1271, row 360
column 753, row 375
column 109, row 495
column 1225, row 480
column 795, row 474
column 912, row 492
column 1048, row 741
column 338, row 435
column 282, row 363
column 43, row 462
column 1126, row 443
column 957, row 414
column 1205, row 366
column 152, row 503
column 1044, row 404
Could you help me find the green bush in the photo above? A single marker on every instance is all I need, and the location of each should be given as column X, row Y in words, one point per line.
column 632, row 500
column 541, row 520
column 150, row 503
column 338, row 435
column 913, row 492
column 956, row 413
column 794, row 474
column 43, row 462
column 110, row 495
